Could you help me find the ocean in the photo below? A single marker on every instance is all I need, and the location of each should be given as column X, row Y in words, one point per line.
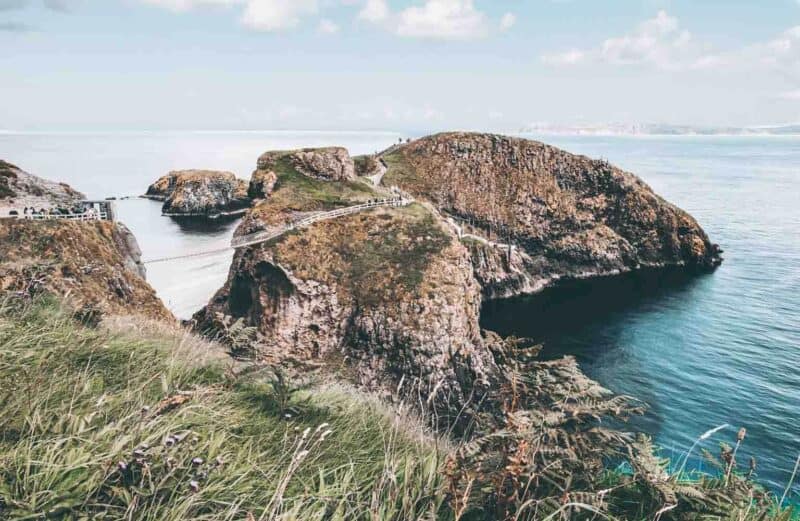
column 700, row 351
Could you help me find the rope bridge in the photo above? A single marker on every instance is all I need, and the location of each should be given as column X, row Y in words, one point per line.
column 267, row 235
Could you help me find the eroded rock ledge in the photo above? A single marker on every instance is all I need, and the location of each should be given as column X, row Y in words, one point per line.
column 200, row 193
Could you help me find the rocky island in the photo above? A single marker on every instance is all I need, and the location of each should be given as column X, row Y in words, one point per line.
column 397, row 292
column 200, row 193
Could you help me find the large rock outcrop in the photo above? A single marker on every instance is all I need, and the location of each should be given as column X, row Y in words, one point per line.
column 569, row 216
column 200, row 193
column 390, row 291
column 19, row 190
column 92, row 264
column 396, row 293
column 329, row 164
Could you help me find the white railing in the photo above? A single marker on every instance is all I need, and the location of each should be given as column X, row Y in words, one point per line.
column 266, row 235
column 86, row 216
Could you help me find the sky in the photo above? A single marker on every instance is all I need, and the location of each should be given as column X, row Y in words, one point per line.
column 417, row 65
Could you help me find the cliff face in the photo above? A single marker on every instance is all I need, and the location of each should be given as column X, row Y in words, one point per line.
column 19, row 189
column 390, row 291
column 95, row 264
column 569, row 216
column 200, row 193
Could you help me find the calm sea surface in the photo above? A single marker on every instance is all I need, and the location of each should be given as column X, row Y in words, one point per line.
column 703, row 351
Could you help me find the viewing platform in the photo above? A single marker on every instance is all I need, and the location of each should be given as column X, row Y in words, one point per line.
column 83, row 211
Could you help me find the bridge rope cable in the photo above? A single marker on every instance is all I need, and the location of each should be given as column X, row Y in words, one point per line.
column 266, row 235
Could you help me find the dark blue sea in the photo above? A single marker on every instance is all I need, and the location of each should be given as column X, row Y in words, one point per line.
column 701, row 351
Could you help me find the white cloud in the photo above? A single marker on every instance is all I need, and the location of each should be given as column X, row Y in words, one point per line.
column 275, row 15
column 442, row 19
column 185, row 5
column 784, row 50
column 374, row 11
column 659, row 42
column 328, row 27
column 260, row 15
column 564, row 58
column 507, row 21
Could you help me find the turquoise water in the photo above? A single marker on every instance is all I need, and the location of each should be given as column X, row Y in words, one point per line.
column 702, row 351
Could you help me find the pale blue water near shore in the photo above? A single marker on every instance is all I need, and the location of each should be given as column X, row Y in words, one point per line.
column 720, row 348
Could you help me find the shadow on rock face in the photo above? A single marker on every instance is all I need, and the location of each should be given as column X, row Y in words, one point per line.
column 573, row 304
column 205, row 225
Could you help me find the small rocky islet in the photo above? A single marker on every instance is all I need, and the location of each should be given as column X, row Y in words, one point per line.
column 200, row 194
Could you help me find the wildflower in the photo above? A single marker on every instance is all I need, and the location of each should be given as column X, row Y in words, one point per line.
column 139, row 453
column 194, row 486
column 287, row 416
column 197, row 461
column 122, row 466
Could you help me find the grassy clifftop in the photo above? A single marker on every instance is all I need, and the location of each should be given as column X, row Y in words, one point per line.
column 141, row 420
column 111, row 423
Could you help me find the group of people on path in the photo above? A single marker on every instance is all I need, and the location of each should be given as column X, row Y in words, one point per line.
column 59, row 211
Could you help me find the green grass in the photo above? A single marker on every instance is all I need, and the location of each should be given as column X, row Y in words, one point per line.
column 108, row 423
column 397, row 258
column 320, row 194
column 138, row 420
column 399, row 172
